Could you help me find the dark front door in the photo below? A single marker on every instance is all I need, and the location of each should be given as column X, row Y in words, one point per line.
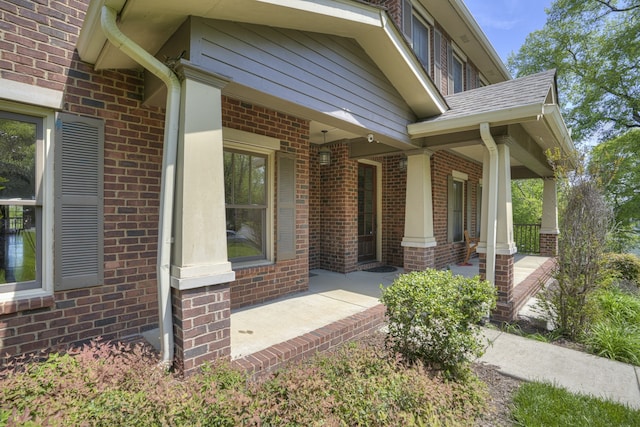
column 366, row 212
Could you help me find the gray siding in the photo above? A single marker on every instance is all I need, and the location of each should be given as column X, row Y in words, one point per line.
column 319, row 72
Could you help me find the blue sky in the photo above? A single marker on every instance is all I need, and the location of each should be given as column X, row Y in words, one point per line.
column 508, row 22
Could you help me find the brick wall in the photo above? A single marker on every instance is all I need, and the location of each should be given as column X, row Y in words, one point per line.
column 338, row 211
column 442, row 165
column 37, row 42
column 394, row 189
column 259, row 284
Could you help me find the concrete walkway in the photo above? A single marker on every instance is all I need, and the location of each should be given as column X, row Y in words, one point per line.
column 578, row 372
column 333, row 297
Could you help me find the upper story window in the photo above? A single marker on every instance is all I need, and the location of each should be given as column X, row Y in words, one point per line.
column 416, row 25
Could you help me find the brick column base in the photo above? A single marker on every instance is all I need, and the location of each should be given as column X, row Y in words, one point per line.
column 419, row 259
column 549, row 245
column 202, row 326
column 505, row 306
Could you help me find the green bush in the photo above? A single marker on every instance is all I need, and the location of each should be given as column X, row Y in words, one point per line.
column 434, row 315
column 624, row 267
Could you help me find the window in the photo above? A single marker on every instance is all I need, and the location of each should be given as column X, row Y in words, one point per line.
column 456, row 205
column 21, row 157
column 416, row 28
column 420, row 39
column 246, row 199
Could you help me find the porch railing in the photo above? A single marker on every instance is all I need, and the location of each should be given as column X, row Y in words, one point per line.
column 527, row 238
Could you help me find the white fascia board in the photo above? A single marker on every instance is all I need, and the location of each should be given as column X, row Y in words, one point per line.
column 91, row 40
column 465, row 14
column 555, row 122
column 397, row 61
column 494, row 118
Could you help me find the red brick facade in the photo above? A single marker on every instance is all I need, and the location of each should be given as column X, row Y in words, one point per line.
column 443, row 164
column 37, row 48
column 548, row 245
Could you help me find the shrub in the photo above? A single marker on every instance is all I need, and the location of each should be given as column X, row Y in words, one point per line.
column 585, row 224
column 623, row 267
column 110, row 385
column 434, row 315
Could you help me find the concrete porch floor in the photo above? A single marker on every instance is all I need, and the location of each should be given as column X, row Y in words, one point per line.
column 331, row 297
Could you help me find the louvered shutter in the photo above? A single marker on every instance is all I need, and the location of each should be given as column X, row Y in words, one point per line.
column 469, row 209
column 79, row 202
column 470, row 79
column 407, row 16
column 286, row 207
column 450, row 85
column 437, row 59
column 450, row 208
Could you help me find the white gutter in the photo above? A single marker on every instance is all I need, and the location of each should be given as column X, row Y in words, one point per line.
column 172, row 120
column 492, row 200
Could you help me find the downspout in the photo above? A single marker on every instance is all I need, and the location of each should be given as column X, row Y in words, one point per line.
column 172, row 120
column 492, row 201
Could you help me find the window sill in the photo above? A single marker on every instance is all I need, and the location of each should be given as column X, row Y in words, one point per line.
column 251, row 264
column 15, row 302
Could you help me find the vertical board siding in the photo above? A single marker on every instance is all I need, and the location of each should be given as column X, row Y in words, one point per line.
column 329, row 74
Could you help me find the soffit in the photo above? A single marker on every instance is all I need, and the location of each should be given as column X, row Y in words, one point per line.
column 457, row 21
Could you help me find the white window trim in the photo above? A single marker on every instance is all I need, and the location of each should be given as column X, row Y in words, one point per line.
column 260, row 145
column 422, row 13
column 458, row 52
column 463, row 178
column 47, row 191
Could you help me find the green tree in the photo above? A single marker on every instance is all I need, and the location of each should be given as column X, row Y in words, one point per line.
column 595, row 46
column 526, row 197
column 616, row 166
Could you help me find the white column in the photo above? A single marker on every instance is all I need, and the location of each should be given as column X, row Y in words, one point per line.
column 418, row 216
column 484, row 221
column 505, row 244
column 200, row 242
column 549, row 208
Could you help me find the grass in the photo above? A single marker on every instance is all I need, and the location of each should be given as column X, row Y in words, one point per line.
column 538, row 404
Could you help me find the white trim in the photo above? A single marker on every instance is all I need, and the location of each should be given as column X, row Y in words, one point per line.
column 459, row 176
column 199, row 282
column 459, row 53
column 46, row 165
column 422, row 12
column 261, row 145
column 241, row 137
column 30, row 94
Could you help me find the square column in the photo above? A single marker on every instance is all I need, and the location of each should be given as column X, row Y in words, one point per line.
column 502, row 270
column 419, row 241
column 200, row 270
column 549, row 228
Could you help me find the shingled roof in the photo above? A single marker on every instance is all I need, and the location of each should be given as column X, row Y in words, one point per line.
column 529, row 90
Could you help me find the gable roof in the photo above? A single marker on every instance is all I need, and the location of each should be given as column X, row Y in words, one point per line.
column 150, row 23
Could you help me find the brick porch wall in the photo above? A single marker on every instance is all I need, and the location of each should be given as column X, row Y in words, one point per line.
column 394, row 189
column 418, row 259
column 322, row 339
column 37, row 47
column 255, row 285
column 442, row 165
column 549, row 245
column 201, row 322
column 338, row 211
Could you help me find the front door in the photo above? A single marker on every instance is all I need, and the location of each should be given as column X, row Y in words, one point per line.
column 366, row 212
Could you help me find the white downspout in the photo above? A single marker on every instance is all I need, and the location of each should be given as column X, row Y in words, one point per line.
column 172, row 120
column 492, row 200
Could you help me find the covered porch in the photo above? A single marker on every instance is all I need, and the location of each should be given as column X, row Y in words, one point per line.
column 336, row 308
